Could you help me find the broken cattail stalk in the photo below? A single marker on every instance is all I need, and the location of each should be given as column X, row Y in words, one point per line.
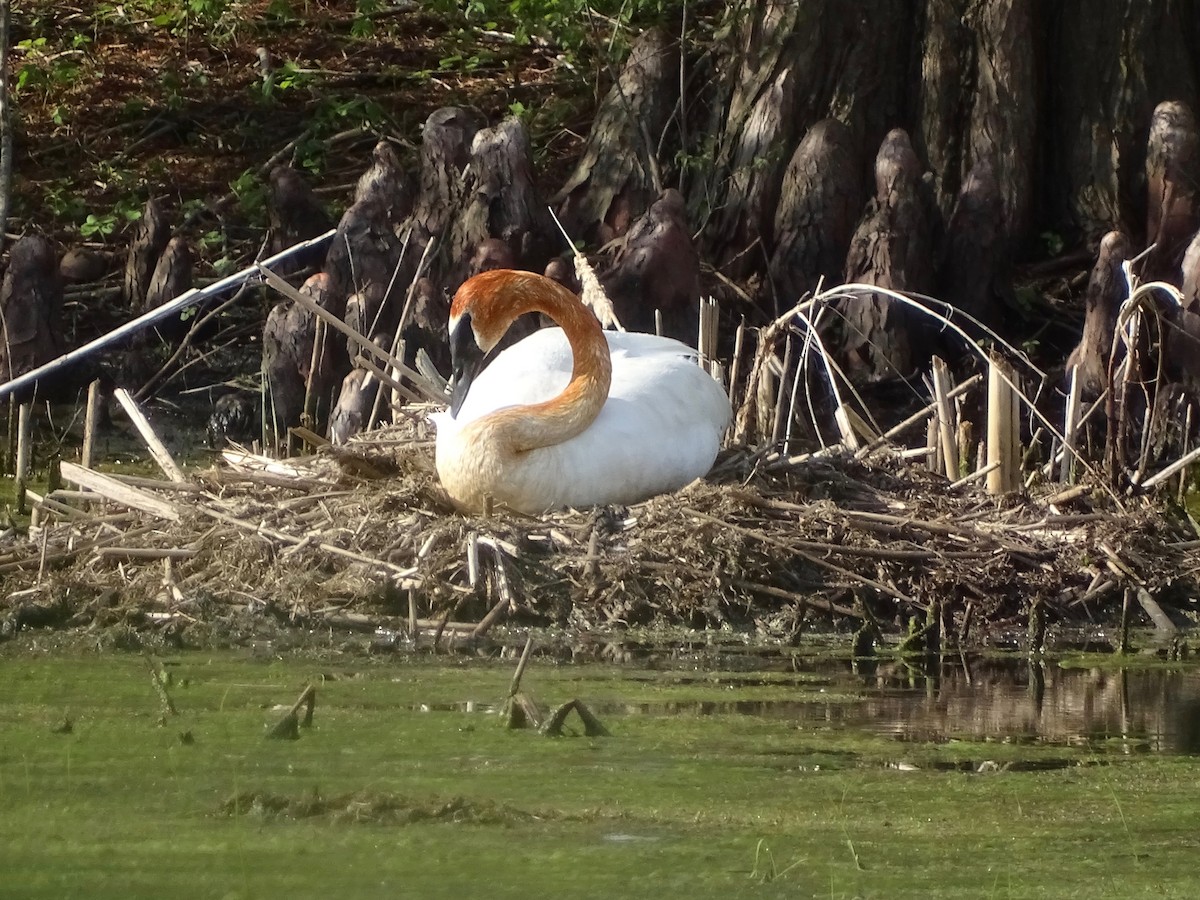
column 1004, row 427
column 1178, row 466
column 710, row 312
column 658, row 323
column 114, row 490
column 309, row 416
column 850, row 425
column 916, row 417
column 158, row 450
column 91, row 422
column 932, row 452
column 966, row 443
column 472, row 559
column 1070, row 428
column 735, row 366
column 947, row 427
column 717, row 371
column 24, row 451
column 777, row 421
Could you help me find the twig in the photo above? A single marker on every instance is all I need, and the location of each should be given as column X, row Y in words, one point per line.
column 161, row 454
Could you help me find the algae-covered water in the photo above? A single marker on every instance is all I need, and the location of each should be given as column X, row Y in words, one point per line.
column 723, row 777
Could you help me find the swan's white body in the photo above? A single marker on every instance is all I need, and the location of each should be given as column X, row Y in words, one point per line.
column 659, row 429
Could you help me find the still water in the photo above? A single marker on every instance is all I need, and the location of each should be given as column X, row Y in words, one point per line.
column 1013, row 699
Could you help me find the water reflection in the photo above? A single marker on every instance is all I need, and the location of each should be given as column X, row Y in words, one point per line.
column 982, row 699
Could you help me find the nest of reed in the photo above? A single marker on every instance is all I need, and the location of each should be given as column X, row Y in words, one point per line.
column 361, row 538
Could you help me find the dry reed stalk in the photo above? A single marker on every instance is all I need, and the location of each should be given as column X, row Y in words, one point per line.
column 777, row 418
column 1071, row 421
column 1178, row 466
column 916, row 417
column 24, row 452
column 308, row 417
column 976, row 475
column 706, row 337
column 91, row 421
column 1004, row 423
column 735, row 365
column 127, row 495
column 947, row 427
column 1187, row 431
column 930, row 451
column 50, row 504
column 418, row 381
column 158, row 450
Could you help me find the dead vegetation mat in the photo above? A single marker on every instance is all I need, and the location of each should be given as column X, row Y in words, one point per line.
column 362, row 538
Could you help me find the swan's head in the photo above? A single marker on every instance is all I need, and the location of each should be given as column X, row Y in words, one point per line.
column 482, row 310
column 466, row 358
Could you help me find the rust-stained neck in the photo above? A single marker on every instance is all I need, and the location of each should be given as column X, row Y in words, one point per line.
column 494, row 301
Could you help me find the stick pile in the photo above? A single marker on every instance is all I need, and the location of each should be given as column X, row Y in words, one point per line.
column 362, row 538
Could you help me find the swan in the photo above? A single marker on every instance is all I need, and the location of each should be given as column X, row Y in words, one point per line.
column 572, row 416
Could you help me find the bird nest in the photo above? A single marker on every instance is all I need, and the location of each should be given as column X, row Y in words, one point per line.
column 362, row 538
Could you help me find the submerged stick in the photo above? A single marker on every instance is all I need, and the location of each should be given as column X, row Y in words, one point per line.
column 288, row 728
column 515, row 686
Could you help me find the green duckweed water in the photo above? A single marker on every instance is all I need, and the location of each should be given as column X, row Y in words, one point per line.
column 713, row 783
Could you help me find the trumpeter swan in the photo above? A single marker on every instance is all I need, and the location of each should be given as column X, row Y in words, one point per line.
column 569, row 416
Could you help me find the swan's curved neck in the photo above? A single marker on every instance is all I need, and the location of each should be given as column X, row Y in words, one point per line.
column 561, row 418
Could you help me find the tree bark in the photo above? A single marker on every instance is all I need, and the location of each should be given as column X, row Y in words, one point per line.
column 6, row 141
column 799, row 61
column 1004, row 115
column 31, row 300
column 1173, row 189
column 502, row 202
column 618, row 174
column 1106, row 67
column 149, row 240
column 657, row 268
column 821, row 199
column 892, row 248
column 445, row 151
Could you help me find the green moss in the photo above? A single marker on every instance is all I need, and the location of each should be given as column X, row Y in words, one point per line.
column 407, row 785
